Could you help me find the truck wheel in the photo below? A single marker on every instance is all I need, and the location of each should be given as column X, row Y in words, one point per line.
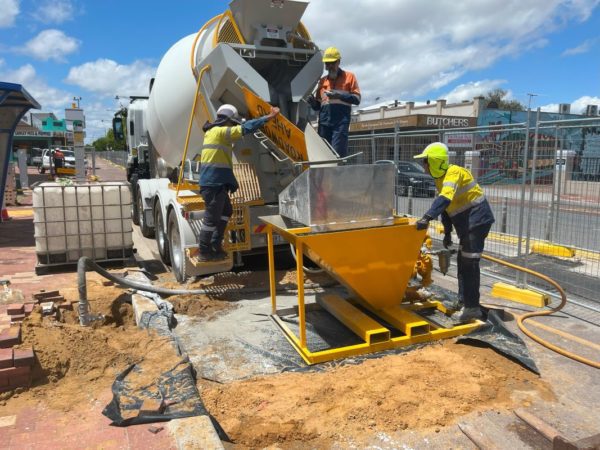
column 161, row 236
column 147, row 231
column 176, row 249
column 134, row 191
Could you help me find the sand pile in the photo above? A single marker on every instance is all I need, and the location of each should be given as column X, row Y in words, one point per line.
column 425, row 389
column 75, row 364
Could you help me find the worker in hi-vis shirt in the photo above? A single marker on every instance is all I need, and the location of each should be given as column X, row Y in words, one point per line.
column 216, row 176
column 336, row 93
column 462, row 205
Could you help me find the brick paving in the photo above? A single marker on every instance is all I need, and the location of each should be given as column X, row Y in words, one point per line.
column 38, row 427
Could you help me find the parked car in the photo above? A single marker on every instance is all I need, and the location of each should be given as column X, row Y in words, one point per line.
column 412, row 174
column 47, row 154
column 36, row 157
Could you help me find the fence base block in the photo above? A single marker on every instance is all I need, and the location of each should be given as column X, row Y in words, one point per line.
column 549, row 249
column 519, row 295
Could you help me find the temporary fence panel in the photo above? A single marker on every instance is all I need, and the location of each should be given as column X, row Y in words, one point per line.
column 543, row 185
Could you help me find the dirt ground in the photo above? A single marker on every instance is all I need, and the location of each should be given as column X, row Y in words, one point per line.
column 75, row 363
column 229, row 281
column 425, row 389
column 222, row 288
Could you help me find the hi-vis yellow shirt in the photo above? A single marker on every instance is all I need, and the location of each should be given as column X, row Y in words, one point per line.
column 459, row 186
column 468, row 206
column 216, row 159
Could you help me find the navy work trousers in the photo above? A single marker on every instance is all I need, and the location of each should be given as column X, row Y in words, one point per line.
column 337, row 136
column 469, row 254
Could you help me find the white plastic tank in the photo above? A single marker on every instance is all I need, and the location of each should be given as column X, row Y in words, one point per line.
column 171, row 102
column 85, row 219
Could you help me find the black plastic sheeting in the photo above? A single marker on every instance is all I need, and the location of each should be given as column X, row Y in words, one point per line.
column 175, row 388
column 495, row 335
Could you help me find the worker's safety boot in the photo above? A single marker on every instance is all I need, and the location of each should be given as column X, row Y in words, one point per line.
column 206, row 252
column 466, row 315
column 217, row 242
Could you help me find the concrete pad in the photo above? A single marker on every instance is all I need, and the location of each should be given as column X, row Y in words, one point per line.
column 195, row 432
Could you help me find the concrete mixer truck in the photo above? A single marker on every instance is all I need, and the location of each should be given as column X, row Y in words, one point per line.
column 257, row 53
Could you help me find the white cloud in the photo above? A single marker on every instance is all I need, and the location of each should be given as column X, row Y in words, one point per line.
column 472, row 89
column 107, row 77
column 50, row 44
column 407, row 48
column 49, row 98
column 584, row 47
column 57, row 11
column 9, row 10
column 577, row 106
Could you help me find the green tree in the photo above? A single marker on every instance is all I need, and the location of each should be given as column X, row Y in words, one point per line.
column 108, row 142
column 495, row 99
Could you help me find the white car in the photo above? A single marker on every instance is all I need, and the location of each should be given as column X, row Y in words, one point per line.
column 46, row 155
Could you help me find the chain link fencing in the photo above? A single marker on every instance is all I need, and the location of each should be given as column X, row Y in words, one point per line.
column 118, row 157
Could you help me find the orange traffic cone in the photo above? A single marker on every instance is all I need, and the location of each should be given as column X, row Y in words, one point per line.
column 5, row 215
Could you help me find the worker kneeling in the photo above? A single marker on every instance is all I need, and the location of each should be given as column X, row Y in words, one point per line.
column 462, row 204
column 217, row 180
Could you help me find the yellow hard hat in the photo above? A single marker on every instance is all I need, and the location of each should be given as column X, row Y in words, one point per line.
column 437, row 158
column 332, row 54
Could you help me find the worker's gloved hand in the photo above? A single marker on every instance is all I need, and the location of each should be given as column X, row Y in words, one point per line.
column 333, row 94
column 423, row 222
column 313, row 102
column 447, row 242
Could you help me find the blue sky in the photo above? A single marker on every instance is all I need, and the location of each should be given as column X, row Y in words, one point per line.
column 399, row 49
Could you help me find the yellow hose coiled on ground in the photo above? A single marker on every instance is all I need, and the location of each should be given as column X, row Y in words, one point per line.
column 523, row 317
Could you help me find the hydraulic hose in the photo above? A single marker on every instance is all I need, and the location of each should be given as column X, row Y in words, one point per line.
column 306, row 269
column 521, row 318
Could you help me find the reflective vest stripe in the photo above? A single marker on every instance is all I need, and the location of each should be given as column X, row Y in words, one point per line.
column 466, row 188
column 335, row 101
column 463, row 208
column 216, row 147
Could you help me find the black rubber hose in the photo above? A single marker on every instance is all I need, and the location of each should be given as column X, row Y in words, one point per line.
column 86, row 264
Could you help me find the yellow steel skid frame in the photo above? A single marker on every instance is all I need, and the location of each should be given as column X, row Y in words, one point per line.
column 376, row 337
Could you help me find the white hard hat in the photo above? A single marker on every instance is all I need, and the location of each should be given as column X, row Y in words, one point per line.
column 229, row 111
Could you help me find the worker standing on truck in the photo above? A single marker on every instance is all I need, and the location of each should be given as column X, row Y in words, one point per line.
column 336, row 93
column 462, row 204
column 216, row 175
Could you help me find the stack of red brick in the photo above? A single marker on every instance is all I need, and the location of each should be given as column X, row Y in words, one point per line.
column 18, row 311
column 15, row 364
column 15, row 368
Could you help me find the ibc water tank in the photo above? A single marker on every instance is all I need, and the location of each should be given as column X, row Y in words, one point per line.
column 85, row 219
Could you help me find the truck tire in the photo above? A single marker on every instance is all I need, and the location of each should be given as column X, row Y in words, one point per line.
column 134, row 191
column 147, row 232
column 176, row 249
column 160, row 232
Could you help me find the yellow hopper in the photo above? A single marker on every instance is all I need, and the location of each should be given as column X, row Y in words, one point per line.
column 372, row 255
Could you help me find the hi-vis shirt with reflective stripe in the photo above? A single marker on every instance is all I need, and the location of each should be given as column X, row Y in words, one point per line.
column 468, row 206
column 459, row 186
column 216, row 159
